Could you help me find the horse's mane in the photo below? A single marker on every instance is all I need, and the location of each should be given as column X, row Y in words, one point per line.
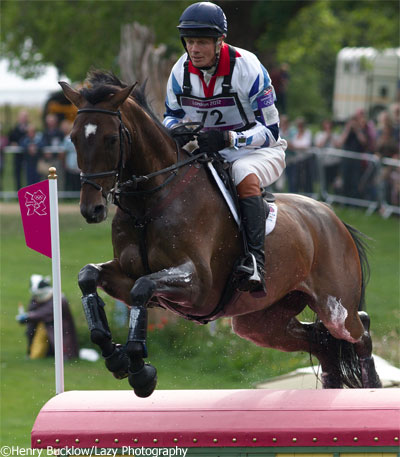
column 102, row 83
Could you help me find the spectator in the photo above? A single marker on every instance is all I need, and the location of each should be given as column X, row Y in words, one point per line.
column 394, row 110
column 301, row 143
column 30, row 144
column 14, row 138
column 323, row 139
column 52, row 155
column 52, row 135
column 280, row 77
column 287, row 131
column 72, row 172
column 40, row 323
column 387, row 146
column 3, row 144
column 355, row 138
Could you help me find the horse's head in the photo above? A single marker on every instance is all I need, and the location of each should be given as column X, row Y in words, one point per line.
column 100, row 138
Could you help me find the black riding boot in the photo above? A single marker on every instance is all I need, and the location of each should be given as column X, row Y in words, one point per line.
column 253, row 219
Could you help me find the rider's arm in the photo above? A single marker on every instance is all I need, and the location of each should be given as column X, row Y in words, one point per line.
column 265, row 132
column 173, row 113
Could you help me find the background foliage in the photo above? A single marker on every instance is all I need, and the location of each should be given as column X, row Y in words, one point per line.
column 77, row 34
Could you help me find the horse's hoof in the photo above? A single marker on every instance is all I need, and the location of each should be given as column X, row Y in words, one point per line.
column 331, row 381
column 370, row 378
column 118, row 362
column 143, row 381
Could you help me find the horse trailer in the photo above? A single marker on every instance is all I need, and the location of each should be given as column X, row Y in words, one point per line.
column 365, row 79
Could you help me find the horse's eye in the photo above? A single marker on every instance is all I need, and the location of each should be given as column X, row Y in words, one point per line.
column 111, row 140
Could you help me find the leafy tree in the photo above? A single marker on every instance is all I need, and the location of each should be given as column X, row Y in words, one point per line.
column 74, row 35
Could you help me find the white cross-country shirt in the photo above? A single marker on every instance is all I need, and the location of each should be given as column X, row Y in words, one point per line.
column 251, row 93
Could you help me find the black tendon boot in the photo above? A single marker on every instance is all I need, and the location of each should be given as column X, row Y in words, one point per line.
column 253, row 219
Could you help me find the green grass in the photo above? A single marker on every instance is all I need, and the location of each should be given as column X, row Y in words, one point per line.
column 186, row 355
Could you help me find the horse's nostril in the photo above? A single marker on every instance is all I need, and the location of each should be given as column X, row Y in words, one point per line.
column 98, row 209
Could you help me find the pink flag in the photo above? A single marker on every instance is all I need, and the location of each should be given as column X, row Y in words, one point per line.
column 34, row 203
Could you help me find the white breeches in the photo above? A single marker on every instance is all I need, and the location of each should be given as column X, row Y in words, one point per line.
column 266, row 163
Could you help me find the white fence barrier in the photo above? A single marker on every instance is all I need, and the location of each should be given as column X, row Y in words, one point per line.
column 332, row 175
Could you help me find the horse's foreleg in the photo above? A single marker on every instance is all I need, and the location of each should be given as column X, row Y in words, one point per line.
column 180, row 284
column 89, row 278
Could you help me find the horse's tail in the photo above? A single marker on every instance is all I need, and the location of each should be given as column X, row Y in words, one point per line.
column 343, row 359
column 360, row 240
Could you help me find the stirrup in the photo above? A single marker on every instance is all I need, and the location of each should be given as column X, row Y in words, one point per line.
column 251, row 271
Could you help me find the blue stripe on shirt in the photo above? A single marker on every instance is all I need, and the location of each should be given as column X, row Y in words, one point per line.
column 175, row 86
column 254, row 87
column 274, row 129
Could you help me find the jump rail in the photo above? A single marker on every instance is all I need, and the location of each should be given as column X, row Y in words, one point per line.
column 354, row 420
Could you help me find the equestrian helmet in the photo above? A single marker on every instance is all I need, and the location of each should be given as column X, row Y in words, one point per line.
column 203, row 19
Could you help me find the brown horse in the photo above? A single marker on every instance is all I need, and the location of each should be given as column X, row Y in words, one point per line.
column 175, row 244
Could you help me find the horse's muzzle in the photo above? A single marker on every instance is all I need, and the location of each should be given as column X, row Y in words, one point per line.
column 94, row 213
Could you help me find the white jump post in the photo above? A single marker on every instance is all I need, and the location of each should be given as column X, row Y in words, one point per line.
column 56, row 272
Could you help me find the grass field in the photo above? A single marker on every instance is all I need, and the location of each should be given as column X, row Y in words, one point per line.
column 186, row 355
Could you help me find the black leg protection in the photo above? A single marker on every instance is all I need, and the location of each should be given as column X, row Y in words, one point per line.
column 142, row 376
column 370, row 378
column 93, row 307
column 138, row 328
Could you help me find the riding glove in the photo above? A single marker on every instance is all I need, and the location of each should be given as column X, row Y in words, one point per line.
column 213, row 140
column 182, row 134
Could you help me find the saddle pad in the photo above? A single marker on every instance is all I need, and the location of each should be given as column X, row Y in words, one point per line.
column 271, row 219
column 273, row 212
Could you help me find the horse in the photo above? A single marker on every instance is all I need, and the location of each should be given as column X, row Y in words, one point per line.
column 175, row 243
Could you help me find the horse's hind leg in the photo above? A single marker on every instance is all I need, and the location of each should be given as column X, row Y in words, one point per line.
column 349, row 345
column 115, row 358
column 363, row 348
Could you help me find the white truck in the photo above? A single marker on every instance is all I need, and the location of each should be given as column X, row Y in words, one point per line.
column 365, row 79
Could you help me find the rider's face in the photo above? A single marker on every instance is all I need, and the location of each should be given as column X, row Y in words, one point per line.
column 201, row 51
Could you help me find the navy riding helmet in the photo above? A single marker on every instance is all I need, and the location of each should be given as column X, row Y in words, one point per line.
column 203, row 19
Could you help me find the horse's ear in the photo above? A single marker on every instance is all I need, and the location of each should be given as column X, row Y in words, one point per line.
column 72, row 94
column 118, row 98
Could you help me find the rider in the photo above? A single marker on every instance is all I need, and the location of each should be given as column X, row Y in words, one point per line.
column 230, row 92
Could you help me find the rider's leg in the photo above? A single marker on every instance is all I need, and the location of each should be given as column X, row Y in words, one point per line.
column 253, row 219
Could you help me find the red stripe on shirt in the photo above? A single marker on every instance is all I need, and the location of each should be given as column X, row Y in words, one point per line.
column 222, row 70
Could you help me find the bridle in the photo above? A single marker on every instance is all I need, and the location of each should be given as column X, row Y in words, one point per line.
column 86, row 178
column 118, row 188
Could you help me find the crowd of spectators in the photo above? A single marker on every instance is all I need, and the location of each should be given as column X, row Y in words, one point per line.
column 346, row 174
column 343, row 175
column 37, row 150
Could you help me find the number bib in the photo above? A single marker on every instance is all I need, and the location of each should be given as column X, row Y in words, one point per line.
column 222, row 112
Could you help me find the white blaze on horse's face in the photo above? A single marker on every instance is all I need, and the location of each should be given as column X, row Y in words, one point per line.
column 90, row 129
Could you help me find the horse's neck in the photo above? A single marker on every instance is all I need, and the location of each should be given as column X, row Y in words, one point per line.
column 151, row 149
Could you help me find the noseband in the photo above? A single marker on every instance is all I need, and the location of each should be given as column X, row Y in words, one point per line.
column 86, row 178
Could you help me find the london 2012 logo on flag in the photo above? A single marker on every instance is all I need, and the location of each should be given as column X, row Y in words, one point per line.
column 35, row 203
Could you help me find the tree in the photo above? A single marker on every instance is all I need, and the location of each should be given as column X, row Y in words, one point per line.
column 76, row 35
